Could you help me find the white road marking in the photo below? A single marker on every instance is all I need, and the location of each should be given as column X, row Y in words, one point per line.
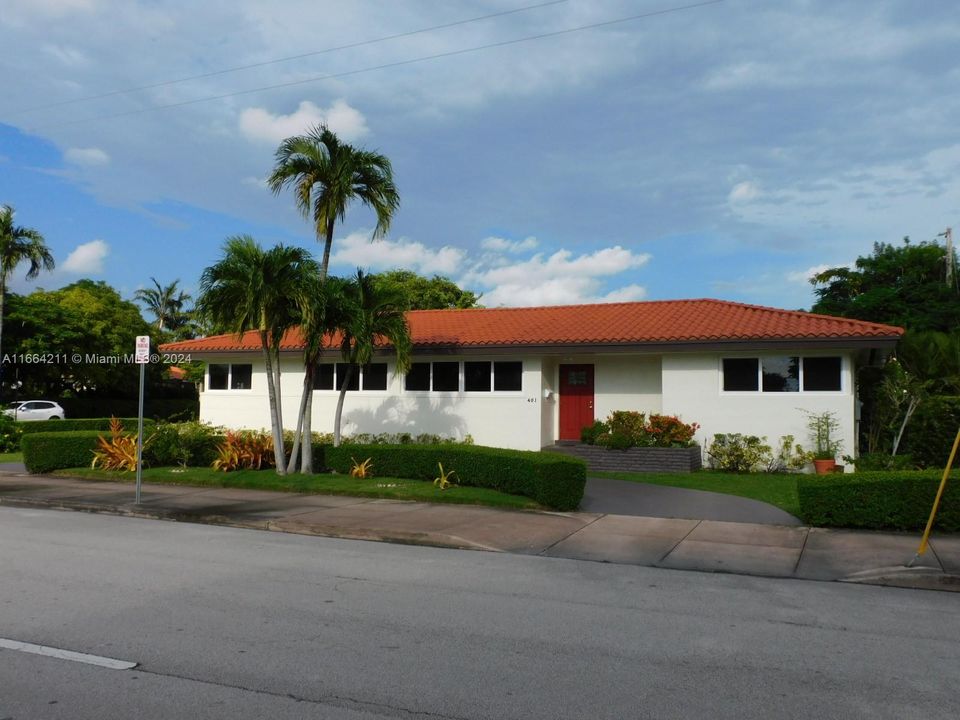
column 53, row 652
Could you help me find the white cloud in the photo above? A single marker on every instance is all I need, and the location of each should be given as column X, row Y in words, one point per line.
column 916, row 197
column 804, row 276
column 66, row 54
column 262, row 125
column 557, row 279
column 87, row 259
column 91, row 156
column 744, row 192
column 358, row 250
column 504, row 279
column 498, row 244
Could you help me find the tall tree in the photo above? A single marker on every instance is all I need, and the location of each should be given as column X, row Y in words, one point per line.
column 166, row 302
column 435, row 293
column 896, row 284
column 372, row 316
column 17, row 245
column 253, row 289
column 327, row 175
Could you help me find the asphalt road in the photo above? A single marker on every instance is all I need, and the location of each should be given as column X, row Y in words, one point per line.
column 229, row 623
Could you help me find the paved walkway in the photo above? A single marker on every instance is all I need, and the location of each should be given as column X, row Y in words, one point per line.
column 622, row 497
column 705, row 545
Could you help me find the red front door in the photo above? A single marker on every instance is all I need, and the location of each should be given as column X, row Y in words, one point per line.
column 576, row 400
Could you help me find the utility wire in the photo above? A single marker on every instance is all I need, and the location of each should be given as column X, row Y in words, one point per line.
column 399, row 63
column 238, row 68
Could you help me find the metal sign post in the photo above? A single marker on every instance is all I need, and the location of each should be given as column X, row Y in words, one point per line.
column 141, row 358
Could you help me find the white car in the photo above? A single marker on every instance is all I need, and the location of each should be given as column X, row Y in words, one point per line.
column 35, row 410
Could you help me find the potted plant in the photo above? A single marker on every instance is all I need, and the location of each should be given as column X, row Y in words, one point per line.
column 824, row 428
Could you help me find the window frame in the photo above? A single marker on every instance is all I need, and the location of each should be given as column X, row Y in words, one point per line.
column 229, row 388
column 802, row 357
column 461, row 390
column 359, row 374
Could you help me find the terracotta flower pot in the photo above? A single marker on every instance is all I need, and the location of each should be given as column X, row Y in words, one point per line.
column 824, row 467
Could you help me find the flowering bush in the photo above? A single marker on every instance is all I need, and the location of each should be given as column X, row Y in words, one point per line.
column 627, row 428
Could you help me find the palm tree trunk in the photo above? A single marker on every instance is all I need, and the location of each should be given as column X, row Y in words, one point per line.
column 328, row 243
column 343, row 395
column 304, row 399
column 306, row 466
column 276, row 427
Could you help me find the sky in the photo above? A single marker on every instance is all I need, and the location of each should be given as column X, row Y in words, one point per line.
column 728, row 149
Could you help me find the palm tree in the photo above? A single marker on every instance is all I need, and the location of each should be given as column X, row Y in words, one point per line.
column 327, row 175
column 372, row 315
column 320, row 316
column 17, row 245
column 250, row 289
column 166, row 303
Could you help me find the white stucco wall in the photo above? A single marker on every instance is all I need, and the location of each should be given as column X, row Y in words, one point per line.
column 687, row 385
column 692, row 389
column 624, row 382
column 500, row 419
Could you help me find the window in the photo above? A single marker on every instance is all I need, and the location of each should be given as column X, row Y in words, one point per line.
column 323, row 377
column 740, row 374
column 241, row 376
column 821, row 373
column 238, row 376
column 446, row 376
column 375, row 376
column 781, row 374
column 354, row 382
column 481, row 376
column 508, row 376
column 418, row 378
column 218, row 377
column 476, row 376
column 329, row 376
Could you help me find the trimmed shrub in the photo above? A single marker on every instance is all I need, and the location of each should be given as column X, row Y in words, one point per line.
column 102, row 423
column 186, row 443
column 735, row 452
column 590, row 433
column 10, row 432
column 553, row 480
column 46, row 451
column 899, row 500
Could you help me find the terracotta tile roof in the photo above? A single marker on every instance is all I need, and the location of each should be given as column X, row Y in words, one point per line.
column 662, row 321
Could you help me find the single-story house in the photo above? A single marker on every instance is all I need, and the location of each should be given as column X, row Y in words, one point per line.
column 526, row 378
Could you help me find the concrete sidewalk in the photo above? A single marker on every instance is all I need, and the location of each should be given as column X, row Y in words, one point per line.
column 704, row 545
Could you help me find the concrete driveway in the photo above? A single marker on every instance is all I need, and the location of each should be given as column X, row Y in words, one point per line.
column 621, row 497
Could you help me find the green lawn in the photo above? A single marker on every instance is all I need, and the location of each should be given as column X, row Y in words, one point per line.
column 778, row 489
column 11, row 457
column 379, row 487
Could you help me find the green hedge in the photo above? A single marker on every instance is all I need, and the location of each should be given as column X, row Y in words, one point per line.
column 43, row 452
column 896, row 500
column 44, row 426
column 551, row 479
column 165, row 408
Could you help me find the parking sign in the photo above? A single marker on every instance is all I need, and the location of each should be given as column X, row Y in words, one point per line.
column 142, row 356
